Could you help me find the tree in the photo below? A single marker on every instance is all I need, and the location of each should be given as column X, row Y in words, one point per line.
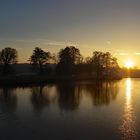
column 97, row 61
column 110, row 65
column 104, row 65
column 68, row 57
column 8, row 56
column 39, row 58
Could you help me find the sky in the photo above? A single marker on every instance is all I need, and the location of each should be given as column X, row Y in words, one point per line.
column 90, row 25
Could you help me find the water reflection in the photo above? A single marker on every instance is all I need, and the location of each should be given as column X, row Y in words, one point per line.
column 40, row 108
column 102, row 93
column 42, row 96
column 8, row 105
column 8, row 99
column 128, row 127
column 69, row 96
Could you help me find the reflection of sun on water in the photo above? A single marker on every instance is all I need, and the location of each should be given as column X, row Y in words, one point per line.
column 128, row 127
column 128, row 92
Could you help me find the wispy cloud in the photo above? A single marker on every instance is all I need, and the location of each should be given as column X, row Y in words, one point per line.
column 137, row 53
column 56, row 43
column 36, row 42
column 123, row 54
column 108, row 42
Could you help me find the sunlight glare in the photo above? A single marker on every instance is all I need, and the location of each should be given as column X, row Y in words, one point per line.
column 129, row 64
column 128, row 91
column 128, row 127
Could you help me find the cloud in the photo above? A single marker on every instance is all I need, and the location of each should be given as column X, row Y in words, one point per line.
column 123, row 54
column 108, row 42
column 38, row 42
column 137, row 53
column 55, row 43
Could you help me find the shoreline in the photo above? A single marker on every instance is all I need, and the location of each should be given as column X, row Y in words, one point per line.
column 13, row 80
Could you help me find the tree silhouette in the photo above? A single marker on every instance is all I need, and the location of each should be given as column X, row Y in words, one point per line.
column 110, row 64
column 39, row 58
column 104, row 65
column 97, row 60
column 68, row 57
column 8, row 56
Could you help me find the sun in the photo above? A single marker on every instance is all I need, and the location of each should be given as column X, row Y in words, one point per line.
column 129, row 64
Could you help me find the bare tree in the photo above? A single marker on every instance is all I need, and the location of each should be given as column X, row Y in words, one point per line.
column 104, row 64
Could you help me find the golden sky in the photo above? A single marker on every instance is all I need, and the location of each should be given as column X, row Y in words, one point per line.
column 91, row 25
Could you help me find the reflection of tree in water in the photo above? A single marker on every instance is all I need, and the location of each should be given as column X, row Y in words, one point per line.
column 102, row 93
column 8, row 98
column 42, row 96
column 69, row 97
column 8, row 106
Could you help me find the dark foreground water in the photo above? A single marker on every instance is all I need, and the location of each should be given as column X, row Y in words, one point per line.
column 80, row 111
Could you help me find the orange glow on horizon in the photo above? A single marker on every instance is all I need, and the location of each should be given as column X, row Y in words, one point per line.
column 129, row 64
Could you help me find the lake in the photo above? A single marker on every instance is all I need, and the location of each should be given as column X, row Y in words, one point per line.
column 71, row 111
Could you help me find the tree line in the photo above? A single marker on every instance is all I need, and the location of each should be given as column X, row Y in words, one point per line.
column 69, row 62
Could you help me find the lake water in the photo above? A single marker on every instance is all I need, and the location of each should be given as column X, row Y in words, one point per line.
column 71, row 111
